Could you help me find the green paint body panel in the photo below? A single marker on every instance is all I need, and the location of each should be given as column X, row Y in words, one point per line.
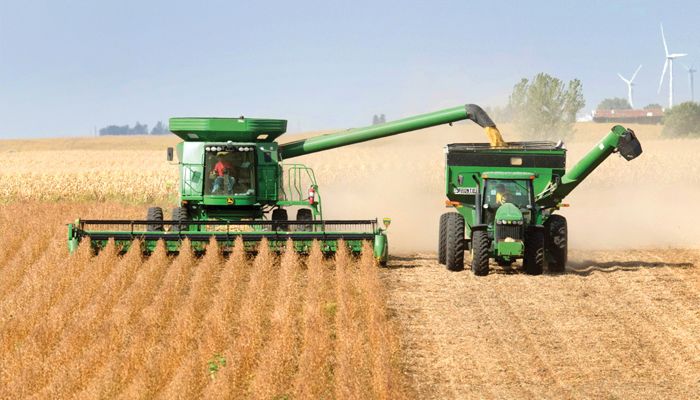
column 512, row 250
column 225, row 129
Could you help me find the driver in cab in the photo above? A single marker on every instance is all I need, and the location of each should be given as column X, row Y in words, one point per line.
column 222, row 170
column 502, row 195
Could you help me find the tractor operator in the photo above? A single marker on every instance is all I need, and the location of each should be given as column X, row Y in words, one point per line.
column 222, row 170
column 502, row 194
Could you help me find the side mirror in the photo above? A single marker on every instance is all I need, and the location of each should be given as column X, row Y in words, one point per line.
column 170, row 153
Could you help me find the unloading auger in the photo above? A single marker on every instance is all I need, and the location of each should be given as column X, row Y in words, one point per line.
column 234, row 183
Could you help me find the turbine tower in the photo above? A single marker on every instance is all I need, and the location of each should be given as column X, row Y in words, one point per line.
column 630, row 83
column 668, row 64
column 691, row 71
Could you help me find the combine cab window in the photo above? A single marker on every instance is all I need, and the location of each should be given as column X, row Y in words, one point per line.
column 230, row 173
column 500, row 191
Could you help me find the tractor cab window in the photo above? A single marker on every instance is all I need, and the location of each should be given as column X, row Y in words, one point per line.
column 230, row 173
column 501, row 191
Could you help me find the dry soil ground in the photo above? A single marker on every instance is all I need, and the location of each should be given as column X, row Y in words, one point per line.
column 618, row 324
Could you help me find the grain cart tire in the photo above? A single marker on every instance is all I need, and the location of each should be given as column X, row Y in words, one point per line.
column 533, row 259
column 304, row 214
column 454, row 242
column 180, row 214
column 555, row 244
column 280, row 214
column 442, row 239
column 480, row 253
column 154, row 214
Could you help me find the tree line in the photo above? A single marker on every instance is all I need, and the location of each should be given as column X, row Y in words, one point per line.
column 138, row 129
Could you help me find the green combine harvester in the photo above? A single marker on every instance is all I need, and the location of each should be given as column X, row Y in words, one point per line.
column 234, row 183
column 505, row 198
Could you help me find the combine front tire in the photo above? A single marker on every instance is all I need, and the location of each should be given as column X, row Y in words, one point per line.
column 454, row 242
column 442, row 239
column 180, row 214
column 480, row 253
column 533, row 260
column 555, row 244
column 154, row 214
column 280, row 214
column 304, row 214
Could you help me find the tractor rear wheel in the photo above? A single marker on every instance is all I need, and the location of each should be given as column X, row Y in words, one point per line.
column 454, row 242
column 480, row 253
column 154, row 214
column 533, row 260
column 304, row 214
column 180, row 214
column 442, row 239
column 555, row 244
column 280, row 214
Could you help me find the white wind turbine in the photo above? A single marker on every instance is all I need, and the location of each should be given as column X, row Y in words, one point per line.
column 691, row 71
column 668, row 64
column 630, row 83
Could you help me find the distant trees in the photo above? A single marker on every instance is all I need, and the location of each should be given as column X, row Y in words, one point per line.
column 682, row 120
column 615, row 103
column 378, row 119
column 653, row 106
column 137, row 129
column 546, row 108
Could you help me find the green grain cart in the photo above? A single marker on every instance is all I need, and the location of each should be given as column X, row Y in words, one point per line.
column 235, row 182
column 505, row 199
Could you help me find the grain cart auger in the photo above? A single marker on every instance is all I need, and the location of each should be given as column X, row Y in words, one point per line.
column 505, row 198
column 233, row 184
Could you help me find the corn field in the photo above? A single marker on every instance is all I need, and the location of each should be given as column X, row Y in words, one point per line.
column 124, row 326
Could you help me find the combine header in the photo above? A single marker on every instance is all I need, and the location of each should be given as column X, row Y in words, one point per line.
column 505, row 198
column 233, row 182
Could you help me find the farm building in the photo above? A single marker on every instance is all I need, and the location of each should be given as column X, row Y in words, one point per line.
column 651, row 116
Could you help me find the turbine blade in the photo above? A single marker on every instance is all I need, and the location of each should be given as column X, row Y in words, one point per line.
column 663, row 73
column 623, row 78
column 636, row 72
column 663, row 37
column 677, row 55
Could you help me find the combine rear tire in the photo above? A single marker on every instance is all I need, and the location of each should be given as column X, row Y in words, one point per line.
column 454, row 242
column 180, row 214
column 555, row 244
column 304, row 214
column 533, row 260
column 442, row 239
column 280, row 214
column 154, row 214
column 480, row 253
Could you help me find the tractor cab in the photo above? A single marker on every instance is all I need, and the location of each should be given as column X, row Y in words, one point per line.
column 507, row 198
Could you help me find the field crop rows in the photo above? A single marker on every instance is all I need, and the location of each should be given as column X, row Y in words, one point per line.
column 110, row 326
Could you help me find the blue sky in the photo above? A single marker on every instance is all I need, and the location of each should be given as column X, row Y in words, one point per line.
column 68, row 66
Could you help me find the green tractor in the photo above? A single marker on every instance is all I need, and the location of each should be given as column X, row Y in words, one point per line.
column 235, row 182
column 506, row 198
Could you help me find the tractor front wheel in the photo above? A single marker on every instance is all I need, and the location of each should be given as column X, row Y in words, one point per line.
column 442, row 239
column 533, row 259
column 480, row 253
column 454, row 242
column 555, row 244
column 154, row 214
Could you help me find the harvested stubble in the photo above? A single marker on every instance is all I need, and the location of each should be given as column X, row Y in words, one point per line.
column 111, row 326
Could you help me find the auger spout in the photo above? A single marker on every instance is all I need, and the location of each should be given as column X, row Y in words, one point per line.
column 358, row 135
column 619, row 139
